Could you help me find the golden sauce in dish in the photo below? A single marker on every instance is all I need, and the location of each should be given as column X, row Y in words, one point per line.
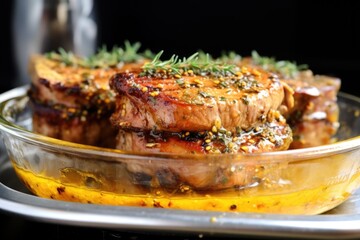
column 309, row 201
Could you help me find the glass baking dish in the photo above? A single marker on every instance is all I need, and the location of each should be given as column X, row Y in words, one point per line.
column 303, row 181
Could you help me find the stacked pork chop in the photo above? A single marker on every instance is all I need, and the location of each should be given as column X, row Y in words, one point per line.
column 314, row 119
column 71, row 98
column 199, row 110
column 190, row 107
column 187, row 106
column 186, row 111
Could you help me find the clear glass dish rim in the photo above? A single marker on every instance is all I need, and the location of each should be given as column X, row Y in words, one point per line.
column 107, row 153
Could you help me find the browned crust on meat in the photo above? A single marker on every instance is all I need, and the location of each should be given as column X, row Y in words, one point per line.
column 72, row 86
column 314, row 94
column 73, row 125
column 315, row 113
column 315, row 116
column 267, row 137
column 313, row 133
column 73, row 103
column 194, row 102
column 199, row 175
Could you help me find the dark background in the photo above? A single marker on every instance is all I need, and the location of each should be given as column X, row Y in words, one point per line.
column 323, row 34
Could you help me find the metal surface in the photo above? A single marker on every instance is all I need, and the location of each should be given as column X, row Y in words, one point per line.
column 342, row 222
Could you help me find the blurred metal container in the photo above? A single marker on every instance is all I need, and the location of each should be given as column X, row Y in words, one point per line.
column 45, row 25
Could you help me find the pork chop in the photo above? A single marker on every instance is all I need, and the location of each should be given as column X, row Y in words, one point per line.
column 195, row 103
column 72, row 101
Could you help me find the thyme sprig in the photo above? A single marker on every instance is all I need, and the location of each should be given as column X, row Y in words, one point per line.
column 286, row 68
column 68, row 58
column 176, row 66
column 230, row 57
column 103, row 58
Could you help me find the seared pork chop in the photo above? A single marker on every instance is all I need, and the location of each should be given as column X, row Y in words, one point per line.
column 266, row 137
column 71, row 98
column 272, row 135
column 53, row 82
column 314, row 117
column 73, row 125
column 199, row 113
column 195, row 103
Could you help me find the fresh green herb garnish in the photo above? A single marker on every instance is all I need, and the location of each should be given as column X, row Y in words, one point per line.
column 204, row 56
column 176, row 66
column 230, row 57
column 286, row 68
column 68, row 58
column 104, row 58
